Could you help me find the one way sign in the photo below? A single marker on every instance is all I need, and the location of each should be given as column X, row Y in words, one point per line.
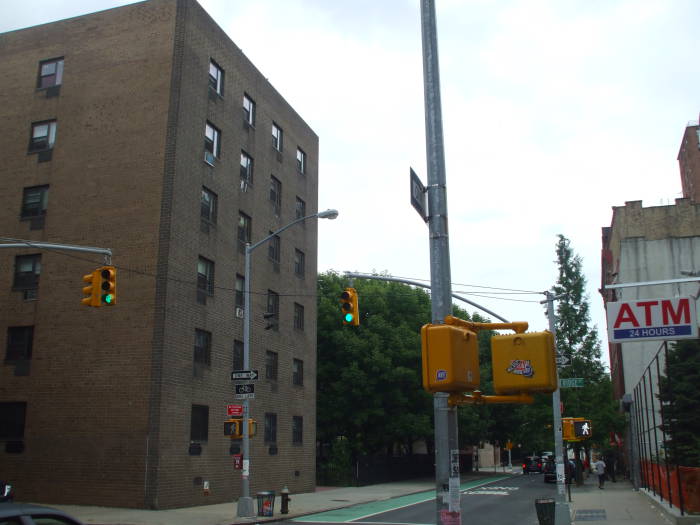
column 247, row 375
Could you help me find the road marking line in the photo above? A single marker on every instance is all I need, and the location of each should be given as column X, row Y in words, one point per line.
column 343, row 515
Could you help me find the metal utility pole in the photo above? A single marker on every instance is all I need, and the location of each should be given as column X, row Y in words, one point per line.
column 562, row 515
column 447, row 480
column 245, row 502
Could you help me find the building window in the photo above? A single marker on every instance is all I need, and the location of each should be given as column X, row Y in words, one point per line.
column 27, row 270
column 270, row 427
column 239, row 296
column 244, row 230
column 271, row 365
column 50, row 73
column 297, row 430
column 300, row 208
column 301, row 161
column 212, row 143
column 248, row 110
column 298, row 372
column 273, row 248
column 199, row 423
column 202, row 347
column 209, row 205
column 238, row 361
column 298, row 316
column 12, row 418
column 43, row 136
column 246, row 170
column 216, row 78
column 276, row 137
column 34, row 201
column 299, row 263
column 205, row 276
column 273, row 310
column 19, row 343
column 276, row 194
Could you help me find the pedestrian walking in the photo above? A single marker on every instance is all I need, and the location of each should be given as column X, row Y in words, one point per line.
column 599, row 467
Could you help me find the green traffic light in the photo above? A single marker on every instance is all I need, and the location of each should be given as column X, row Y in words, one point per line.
column 107, row 298
column 348, row 318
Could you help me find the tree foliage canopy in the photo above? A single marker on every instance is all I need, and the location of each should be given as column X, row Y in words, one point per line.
column 369, row 377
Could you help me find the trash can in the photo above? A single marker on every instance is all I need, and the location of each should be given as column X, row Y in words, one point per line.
column 545, row 511
column 266, row 503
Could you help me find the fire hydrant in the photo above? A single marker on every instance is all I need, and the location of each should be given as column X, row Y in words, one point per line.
column 284, row 493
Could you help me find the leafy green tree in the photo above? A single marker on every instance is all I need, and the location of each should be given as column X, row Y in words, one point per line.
column 369, row 377
column 681, row 396
column 578, row 341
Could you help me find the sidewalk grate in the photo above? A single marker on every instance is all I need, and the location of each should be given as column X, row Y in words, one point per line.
column 590, row 515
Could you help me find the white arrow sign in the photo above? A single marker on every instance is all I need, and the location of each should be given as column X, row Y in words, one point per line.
column 248, row 375
column 562, row 360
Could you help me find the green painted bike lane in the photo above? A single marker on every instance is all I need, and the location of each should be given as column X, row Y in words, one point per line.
column 362, row 510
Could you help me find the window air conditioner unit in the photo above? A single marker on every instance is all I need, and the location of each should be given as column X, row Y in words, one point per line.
column 209, row 158
column 239, row 313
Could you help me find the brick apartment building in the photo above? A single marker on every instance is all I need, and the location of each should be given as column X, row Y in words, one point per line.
column 144, row 129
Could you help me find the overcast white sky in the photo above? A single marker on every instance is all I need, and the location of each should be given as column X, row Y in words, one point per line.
column 553, row 111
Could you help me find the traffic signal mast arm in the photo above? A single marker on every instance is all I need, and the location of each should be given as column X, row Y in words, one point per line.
column 519, row 327
column 477, row 398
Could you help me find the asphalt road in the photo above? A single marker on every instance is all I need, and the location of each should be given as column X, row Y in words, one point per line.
column 509, row 501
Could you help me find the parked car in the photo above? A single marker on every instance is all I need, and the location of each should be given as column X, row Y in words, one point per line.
column 25, row 514
column 532, row 464
column 550, row 471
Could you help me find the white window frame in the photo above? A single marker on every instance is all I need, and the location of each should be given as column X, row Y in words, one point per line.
column 216, row 77
column 249, row 110
column 43, row 130
column 301, row 161
column 277, row 137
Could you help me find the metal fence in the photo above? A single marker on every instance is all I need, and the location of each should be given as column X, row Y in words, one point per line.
column 652, row 467
column 370, row 470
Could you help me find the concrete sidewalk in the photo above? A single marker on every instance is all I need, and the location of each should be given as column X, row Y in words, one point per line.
column 323, row 499
column 619, row 504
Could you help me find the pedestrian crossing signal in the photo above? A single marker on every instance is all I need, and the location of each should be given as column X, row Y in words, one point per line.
column 583, row 429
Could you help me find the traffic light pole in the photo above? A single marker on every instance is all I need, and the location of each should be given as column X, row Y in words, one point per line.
column 447, row 479
column 245, row 502
column 562, row 514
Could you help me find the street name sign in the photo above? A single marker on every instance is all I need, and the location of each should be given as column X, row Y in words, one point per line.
column 652, row 319
column 247, row 375
column 419, row 199
column 571, row 382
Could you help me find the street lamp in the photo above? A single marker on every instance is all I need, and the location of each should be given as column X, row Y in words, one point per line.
column 245, row 502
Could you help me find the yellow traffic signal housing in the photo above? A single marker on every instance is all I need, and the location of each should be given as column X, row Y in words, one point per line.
column 567, row 428
column 233, row 428
column 108, row 285
column 349, row 305
column 92, row 290
column 450, row 358
column 523, row 363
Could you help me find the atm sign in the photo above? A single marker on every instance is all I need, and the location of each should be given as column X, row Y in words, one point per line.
column 652, row 319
